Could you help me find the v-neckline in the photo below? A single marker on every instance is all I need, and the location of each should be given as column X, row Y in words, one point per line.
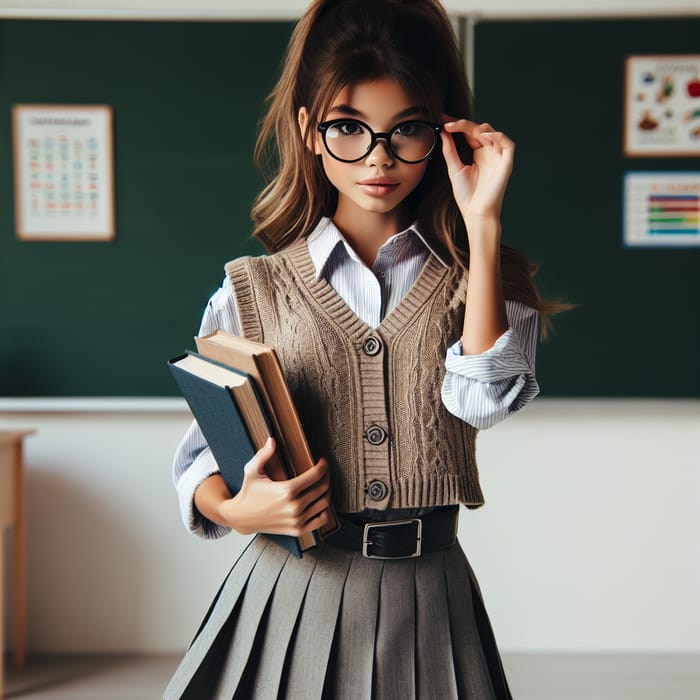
column 431, row 274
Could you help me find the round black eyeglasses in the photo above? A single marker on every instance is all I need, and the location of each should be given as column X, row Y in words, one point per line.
column 350, row 140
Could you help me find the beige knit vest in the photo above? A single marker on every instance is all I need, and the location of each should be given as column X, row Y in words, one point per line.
column 368, row 398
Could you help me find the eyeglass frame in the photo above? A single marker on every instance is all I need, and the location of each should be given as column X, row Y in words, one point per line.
column 375, row 136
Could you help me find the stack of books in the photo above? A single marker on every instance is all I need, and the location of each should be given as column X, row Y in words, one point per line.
column 238, row 395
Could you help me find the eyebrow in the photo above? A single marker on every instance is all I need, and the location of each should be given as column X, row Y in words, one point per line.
column 352, row 112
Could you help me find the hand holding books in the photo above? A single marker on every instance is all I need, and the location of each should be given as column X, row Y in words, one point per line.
column 293, row 507
column 238, row 395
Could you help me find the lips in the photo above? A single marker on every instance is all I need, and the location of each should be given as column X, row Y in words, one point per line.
column 378, row 186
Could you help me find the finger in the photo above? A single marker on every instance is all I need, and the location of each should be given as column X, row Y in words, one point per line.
column 319, row 492
column 486, row 140
column 257, row 464
column 466, row 128
column 458, row 123
column 497, row 137
column 315, row 523
column 316, row 506
column 301, row 483
column 499, row 144
column 469, row 129
column 293, row 515
column 450, row 154
column 313, row 492
column 297, row 530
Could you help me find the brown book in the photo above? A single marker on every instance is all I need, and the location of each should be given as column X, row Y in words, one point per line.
column 262, row 364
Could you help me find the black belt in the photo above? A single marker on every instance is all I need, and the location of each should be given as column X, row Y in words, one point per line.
column 398, row 539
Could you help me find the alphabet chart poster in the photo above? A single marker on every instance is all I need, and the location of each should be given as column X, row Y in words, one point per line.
column 64, row 181
column 662, row 209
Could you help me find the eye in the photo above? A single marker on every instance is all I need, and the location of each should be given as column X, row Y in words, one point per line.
column 349, row 128
column 408, row 129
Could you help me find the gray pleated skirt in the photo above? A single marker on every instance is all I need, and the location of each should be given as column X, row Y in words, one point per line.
column 337, row 625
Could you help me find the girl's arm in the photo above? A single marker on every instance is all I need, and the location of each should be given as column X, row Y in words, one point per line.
column 478, row 190
column 283, row 507
column 484, row 389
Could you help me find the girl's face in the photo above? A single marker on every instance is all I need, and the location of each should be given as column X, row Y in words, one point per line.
column 376, row 186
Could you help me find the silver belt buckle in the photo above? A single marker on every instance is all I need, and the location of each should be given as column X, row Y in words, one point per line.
column 366, row 544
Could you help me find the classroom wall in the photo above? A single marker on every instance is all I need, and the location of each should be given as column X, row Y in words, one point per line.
column 588, row 540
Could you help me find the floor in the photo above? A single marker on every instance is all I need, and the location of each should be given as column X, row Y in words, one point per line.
column 532, row 677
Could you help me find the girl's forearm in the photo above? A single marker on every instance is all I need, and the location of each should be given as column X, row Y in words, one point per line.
column 210, row 496
column 485, row 317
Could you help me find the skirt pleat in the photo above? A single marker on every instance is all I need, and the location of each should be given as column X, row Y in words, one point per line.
column 488, row 639
column 435, row 672
column 197, row 673
column 395, row 665
column 311, row 650
column 335, row 625
column 252, row 608
column 471, row 668
column 284, row 611
column 353, row 660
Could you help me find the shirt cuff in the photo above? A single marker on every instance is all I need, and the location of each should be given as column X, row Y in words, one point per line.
column 503, row 360
column 201, row 468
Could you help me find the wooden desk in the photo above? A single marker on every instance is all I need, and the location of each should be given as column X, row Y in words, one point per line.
column 12, row 513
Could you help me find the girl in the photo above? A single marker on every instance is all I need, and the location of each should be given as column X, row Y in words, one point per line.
column 403, row 326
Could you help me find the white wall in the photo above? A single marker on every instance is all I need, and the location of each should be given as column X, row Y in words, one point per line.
column 588, row 541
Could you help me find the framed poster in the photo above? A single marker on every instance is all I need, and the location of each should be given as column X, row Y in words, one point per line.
column 63, row 172
column 662, row 210
column 662, row 106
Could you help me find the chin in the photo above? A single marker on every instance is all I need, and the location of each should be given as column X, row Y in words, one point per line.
column 382, row 206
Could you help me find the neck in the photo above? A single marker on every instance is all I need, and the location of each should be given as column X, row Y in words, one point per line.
column 367, row 232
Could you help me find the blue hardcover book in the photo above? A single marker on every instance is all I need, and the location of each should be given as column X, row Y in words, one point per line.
column 225, row 404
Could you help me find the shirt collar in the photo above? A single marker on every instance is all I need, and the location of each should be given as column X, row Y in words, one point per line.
column 324, row 239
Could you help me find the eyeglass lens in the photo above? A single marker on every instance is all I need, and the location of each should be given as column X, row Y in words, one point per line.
column 351, row 140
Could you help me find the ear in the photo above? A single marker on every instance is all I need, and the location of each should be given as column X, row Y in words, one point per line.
column 312, row 142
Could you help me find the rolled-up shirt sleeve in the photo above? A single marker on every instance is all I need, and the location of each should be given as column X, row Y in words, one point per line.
column 484, row 389
column 193, row 461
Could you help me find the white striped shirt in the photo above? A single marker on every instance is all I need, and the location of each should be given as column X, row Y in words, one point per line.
column 480, row 389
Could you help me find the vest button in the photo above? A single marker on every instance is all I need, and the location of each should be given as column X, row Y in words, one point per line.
column 377, row 490
column 375, row 435
column 372, row 346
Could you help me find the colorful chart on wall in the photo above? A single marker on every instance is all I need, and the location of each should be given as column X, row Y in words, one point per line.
column 662, row 209
column 64, row 178
column 662, row 106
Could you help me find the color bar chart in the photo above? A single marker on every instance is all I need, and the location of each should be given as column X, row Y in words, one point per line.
column 662, row 209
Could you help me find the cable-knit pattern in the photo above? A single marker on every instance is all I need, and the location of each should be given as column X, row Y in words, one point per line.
column 369, row 399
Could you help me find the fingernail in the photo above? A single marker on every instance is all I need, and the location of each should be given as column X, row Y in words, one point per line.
column 269, row 442
column 450, row 123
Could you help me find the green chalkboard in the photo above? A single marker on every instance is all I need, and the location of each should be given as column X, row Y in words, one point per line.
column 101, row 319
column 557, row 88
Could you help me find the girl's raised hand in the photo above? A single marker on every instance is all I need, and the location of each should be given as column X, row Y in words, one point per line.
column 289, row 507
column 478, row 188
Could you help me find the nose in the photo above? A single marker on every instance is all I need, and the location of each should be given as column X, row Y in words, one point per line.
column 380, row 155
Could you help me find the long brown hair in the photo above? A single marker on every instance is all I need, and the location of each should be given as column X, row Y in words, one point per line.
column 339, row 42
